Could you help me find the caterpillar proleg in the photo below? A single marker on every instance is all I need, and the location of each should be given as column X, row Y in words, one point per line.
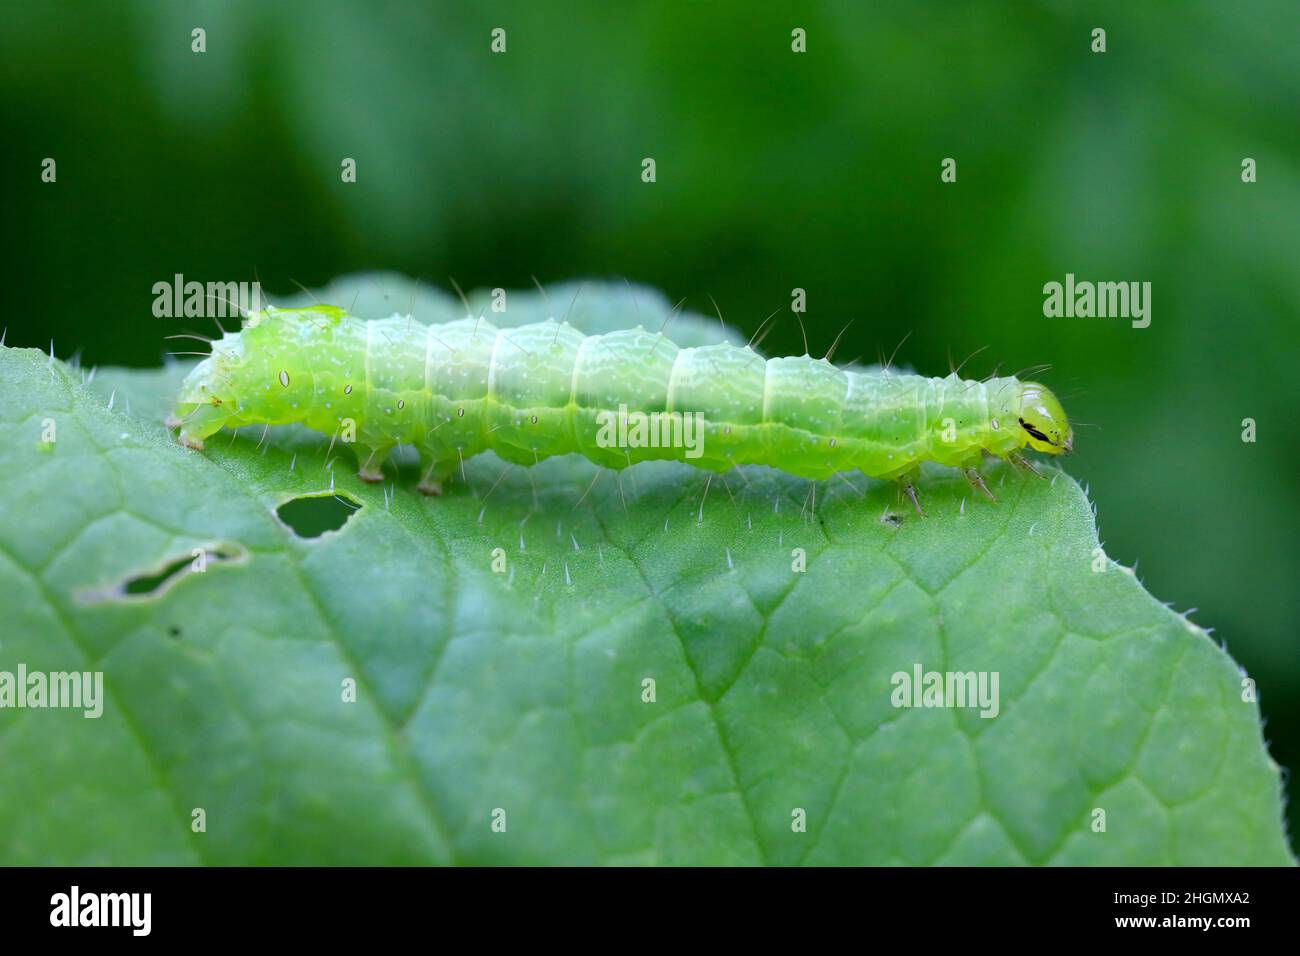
column 526, row 393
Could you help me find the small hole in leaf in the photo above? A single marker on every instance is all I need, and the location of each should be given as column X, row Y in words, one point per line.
column 151, row 583
column 147, row 584
column 312, row 515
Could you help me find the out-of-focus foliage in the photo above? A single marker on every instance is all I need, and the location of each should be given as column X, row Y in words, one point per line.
column 775, row 170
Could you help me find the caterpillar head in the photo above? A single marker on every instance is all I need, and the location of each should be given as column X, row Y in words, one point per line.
column 206, row 402
column 1042, row 420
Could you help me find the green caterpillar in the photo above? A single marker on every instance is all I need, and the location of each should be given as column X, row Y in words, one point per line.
column 456, row 389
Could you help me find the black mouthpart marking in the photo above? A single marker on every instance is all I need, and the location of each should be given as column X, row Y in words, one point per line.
column 1035, row 432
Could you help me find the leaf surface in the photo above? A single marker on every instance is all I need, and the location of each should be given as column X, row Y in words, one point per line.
column 524, row 689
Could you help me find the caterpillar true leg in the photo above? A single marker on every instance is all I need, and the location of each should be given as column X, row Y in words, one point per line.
column 977, row 482
column 909, row 487
column 1024, row 464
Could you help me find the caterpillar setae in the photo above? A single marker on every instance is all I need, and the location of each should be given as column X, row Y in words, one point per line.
column 459, row 388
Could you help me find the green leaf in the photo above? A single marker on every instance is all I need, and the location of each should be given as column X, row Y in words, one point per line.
column 523, row 690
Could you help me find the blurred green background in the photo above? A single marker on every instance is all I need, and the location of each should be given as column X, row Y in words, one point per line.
column 775, row 170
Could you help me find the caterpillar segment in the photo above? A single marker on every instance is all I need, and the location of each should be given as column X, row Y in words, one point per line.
column 457, row 389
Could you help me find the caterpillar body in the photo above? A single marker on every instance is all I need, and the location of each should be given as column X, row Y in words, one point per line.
column 526, row 393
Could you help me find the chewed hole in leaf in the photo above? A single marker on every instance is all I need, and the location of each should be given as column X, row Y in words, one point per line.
column 310, row 516
column 155, row 581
